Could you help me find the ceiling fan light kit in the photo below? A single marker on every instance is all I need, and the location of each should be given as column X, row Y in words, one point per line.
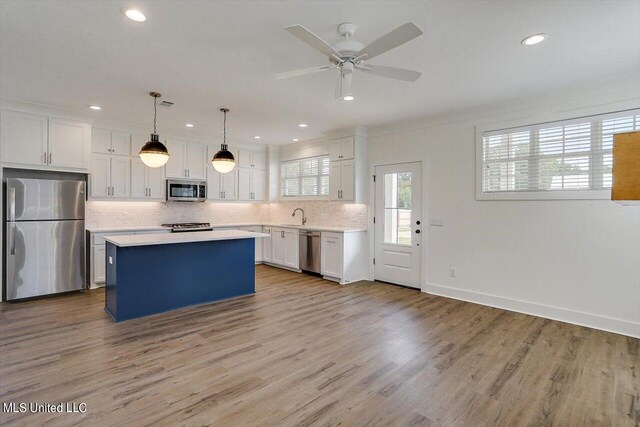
column 348, row 55
column 154, row 153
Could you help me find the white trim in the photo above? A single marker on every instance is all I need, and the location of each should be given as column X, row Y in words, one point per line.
column 609, row 324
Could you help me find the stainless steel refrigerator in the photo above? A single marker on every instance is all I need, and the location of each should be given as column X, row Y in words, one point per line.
column 44, row 237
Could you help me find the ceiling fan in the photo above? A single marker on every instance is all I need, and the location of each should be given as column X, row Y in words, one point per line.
column 349, row 54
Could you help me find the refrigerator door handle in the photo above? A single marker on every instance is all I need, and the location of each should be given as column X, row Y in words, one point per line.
column 12, row 239
column 12, row 204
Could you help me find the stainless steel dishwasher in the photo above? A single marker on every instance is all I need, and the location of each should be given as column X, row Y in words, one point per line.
column 310, row 251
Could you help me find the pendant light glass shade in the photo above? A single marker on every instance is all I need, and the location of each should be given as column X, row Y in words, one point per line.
column 154, row 153
column 223, row 161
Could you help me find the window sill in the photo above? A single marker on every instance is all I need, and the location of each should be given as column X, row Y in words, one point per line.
column 304, row 198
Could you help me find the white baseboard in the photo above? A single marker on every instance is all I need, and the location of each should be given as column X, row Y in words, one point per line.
column 595, row 321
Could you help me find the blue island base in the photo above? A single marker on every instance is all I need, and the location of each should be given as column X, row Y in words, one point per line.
column 151, row 279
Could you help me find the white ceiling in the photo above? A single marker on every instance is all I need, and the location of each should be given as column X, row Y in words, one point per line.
column 206, row 54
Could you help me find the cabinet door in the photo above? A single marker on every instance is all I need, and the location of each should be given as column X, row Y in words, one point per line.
column 244, row 184
column 267, row 245
column 137, row 141
column 277, row 246
column 195, row 165
column 120, row 143
column 335, row 176
column 156, row 183
column 138, row 179
column 99, row 263
column 23, row 138
column 99, row 178
column 291, row 248
column 229, row 185
column 176, row 166
column 347, row 148
column 257, row 184
column 259, row 160
column 331, row 255
column 347, row 180
column 245, row 159
column 214, row 184
column 120, row 176
column 69, row 143
column 100, row 141
column 335, row 149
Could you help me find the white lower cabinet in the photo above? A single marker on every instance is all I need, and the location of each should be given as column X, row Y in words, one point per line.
column 331, row 251
column 267, row 245
column 99, row 262
column 284, row 247
column 259, row 244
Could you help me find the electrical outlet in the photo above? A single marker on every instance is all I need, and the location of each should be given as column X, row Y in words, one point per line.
column 110, row 260
column 436, row 222
column 452, row 272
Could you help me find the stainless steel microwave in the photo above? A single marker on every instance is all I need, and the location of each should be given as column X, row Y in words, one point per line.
column 181, row 190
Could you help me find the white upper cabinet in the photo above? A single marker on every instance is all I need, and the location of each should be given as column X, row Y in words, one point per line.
column 35, row 140
column 251, row 184
column 110, row 176
column 69, row 144
column 342, row 181
column 105, row 141
column 176, row 166
column 196, row 158
column 186, row 160
column 221, row 186
column 251, row 159
column 146, row 182
column 24, row 138
column 342, row 148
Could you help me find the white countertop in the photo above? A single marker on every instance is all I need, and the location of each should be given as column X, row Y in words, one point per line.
column 266, row 224
column 168, row 238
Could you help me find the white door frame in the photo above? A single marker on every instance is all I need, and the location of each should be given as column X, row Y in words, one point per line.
column 424, row 236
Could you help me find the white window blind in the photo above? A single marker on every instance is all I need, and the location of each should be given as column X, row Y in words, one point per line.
column 305, row 177
column 568, row 155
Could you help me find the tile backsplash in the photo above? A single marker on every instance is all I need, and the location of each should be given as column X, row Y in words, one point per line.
column 107, row 214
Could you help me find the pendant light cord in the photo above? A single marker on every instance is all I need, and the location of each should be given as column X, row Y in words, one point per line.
column 224, row 126
column 155, row 113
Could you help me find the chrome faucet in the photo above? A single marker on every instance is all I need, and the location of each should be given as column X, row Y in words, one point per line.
column 304, row 218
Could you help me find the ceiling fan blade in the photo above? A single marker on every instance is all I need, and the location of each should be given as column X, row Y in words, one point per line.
column 393, row 39
column 301, row 72
column 390, row 72
column 314, row 41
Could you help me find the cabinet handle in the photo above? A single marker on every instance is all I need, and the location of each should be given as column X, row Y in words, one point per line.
column 224, row 194
column 50, row 156
column 45, row 158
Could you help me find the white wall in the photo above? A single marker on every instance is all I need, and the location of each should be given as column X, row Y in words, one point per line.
column 577, row 261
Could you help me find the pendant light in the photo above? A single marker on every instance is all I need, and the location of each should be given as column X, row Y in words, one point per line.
column 154, row 154
column 223, row 161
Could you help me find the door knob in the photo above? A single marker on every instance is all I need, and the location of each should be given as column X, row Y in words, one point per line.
column 417, row 231
column 417, row 222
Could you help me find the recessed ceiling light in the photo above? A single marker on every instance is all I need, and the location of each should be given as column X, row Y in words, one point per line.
column 348, row 98
column 189, row 125
column 302, row 125
column 134, row 15
column 95, row 107
column 534, row 39
column 295, row 140
column 256, row 137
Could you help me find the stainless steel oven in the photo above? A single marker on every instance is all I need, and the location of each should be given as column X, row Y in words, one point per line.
column 182, row 190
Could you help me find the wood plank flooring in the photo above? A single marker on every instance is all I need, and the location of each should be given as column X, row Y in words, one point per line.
column 304, row 351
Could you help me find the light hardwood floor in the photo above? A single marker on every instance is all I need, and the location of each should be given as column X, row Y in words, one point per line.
column 304, row 351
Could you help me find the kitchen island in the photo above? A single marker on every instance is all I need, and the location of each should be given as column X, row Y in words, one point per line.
column 152, row 273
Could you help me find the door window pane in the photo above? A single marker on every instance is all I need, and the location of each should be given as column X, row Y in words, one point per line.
column 397, row 208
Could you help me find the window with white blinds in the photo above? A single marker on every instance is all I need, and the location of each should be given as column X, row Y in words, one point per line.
column 305, row 177
column 569, row 155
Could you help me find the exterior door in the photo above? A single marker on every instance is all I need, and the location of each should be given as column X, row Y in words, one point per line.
column 398, row 224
